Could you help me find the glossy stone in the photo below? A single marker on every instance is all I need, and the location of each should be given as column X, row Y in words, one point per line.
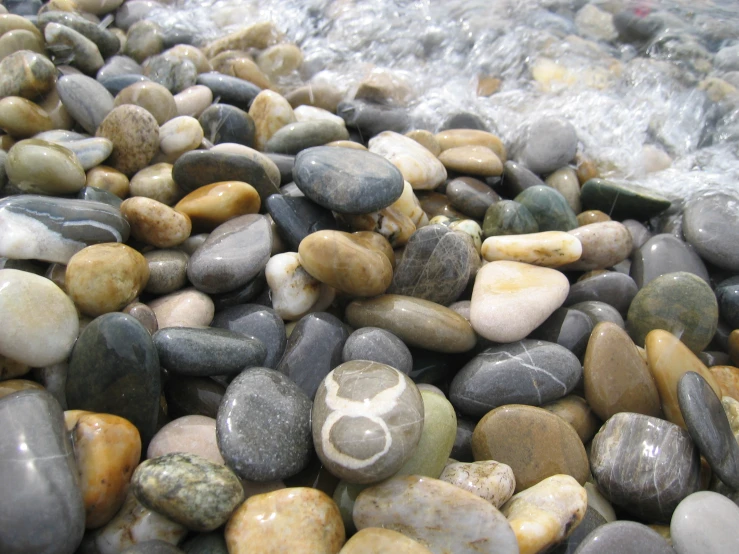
column 22, row 118
column 371, row 119
column 727, row 295
column 707, row 227
column 155, row 223
column 192, row 434
column 264, row 426
column 547, row 249
column 705, row 522
column 490, row 480
column 590, row 522
column 193, row 396
column 27, row 74
column 376, row 540
column 114, row 369
column 211, row 205
column 624, row 537
column 376, row 402
column 86, row 100
column 622, row 200
column 549, row 208
column 378, row 345
column 665, row 253
column 613, row 288
column 471, row 196
column 526, row 372
column 107, row 43
column 259, row 322
column 604, row 245
column 645, row 465
column 231, row 90
column 84, row 53
column 225, row 123
column 416, row 322
column 296, row 218
column 535, row 443
column 578, row 413
column 185, row 308
column 549, row 144
column 42, row 507
column 567, row 327
column 507, row 217
column 418, row 166
column 301, row 135
column 472, row 160
column 134, row 133
column 466, row 523
column 40, row 167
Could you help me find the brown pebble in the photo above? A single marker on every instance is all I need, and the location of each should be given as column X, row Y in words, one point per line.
column 22, row 118
column 727, row 377
column 107, row 178
column 134, row 133
column 592, row 216
column 576, row 411
column 144, row 314
column 209, row 206
column 155, row 223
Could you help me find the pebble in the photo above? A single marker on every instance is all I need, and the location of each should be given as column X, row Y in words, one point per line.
column 212, row 205
column 191, row 434
column 155, row 223
column 472, row 160
column 644, row 465
column 108, row 179
column 465, row 524
column 193, row 101
column 417, row 165
column 566, row 327
column 259, row 322
column 615, row 376
column 107, row 43
column 41, row 167
column 296, row 519
column 488, row 479
column 45, row 323
column 298, row 217
column 22, row 118
column 546, row 513
column 224, row 123
column 508, row 217
column 264, row 427
column 705, row 522
column 662, row 254
column 578, row 413
column 622, row 200
column 152, row 547
column 611, row 287
column 547, row 249
column 81, row 52
column 604, row 245
column 549, row 208
column 370, row 119
column 301, row 135
column 369, row 399
column 270, row 112
column 27, row 74
column 727, row 377
column 565, row 181
column 167, row 270
column 416, row 322
column 193, row 396
column 42, row 509
column 549, row 144
column 378, row 345
column 533, row 442
column 526, row 372
column 727, row 295
column 90, row 152
column 376, row 540
column 511, row 299
column 706, row 226
column 471, row 196
column 624, row 537
column 185, row 308
column 294, row 292
column 86, row 100
column 134, row 133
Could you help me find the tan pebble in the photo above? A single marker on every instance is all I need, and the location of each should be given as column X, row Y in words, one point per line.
column 247, row 69
column 192, row 53
column 185, row 308
column 107, row 449
column 143, row 39
column 419, row 166
column 104, row 278
column 27, row 74
column 654, row 159
column 564, row 181
column 452, row 138
column 727, row 377
column 297, row 520
column 280, row 60
column 209, row 206
column 20, row 39
column 383, row 86
column 6, row 142
column 180, row 135
column 426, row 139
column 14, row 385
column 153, row 97
column 22, row 118
column 41, row 167
column 193, row 434
column 604, row 245
column 375, row 241
column 270, row 112
column 488, row 479
column 669, row 359
column 347, row 144
column 54, row 107
column 134, row 133
column 576, row 411
column 144, row 314
column 487, row 85
column 156, row 182
column 547, row 249
column 472, row 160
column 155, row 223
column 586, row 169
column 592, row 216
column 409, row 205
column 98, row 7
column 259, row 35
column 389, row 222
column 107, row 178
column 312, row 113
column 193, row 100
column 731, row 409
column 220, row 62
column 11, row 369
column 321, row 95
column 376, row 540
column 12, row 22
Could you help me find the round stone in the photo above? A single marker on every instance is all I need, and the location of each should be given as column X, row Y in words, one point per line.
column 705, row 522
column 549, row 208
column 549, row 144
column 22, row 118
column 40, row 167
column 378, row 345
column 603, row 245
column 270, row 112
column 367, row 421
column 708, row 227
column 27, row 74
column 179, row 135
column 153, row 97
column 376, row 540
column 507, row 217
column 134, row 133
column 418, row 166
column 472, row 160
column 167, row 271
column 665, row 253
column 185, row 308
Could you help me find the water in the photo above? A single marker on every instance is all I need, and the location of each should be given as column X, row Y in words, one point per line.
column 619, row 96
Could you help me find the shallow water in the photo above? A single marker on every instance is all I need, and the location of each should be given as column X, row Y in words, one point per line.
column 619, row 96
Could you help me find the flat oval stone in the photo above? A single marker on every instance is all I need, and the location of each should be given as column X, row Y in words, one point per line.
column 549, row 208
column 434, row 513
column 114, row 369
column 107, row 449
column 603, row 245
column 549, row 144
column 622, row 200
column 206, row 352
column 259, row 322
column 231, row 90
column 665, row 253
column 301, row 135
column 107, row 42
column 507, row 217
column 42, row 320
column 134, row 133
column 105, row 278
column 188, row 489
column 212, row 205
column 155, row 223
column 471, row 196
column 526, row 372
column 22, row 118
column 185, row 308
column 706, row 228
column 378, row 345
column 192, row 434
column 347, row 181
column 418, row 166
column 83, row 53
column 706, row 522
column 415, row 321
column 615, row 289
column 41, row 167
column 547, row 249
column 472, row 160
column 86, row 100
column 264, row 426
column 645, row 465
column 490, row 480
column 167, row 271
column 624, row 537
column 90, row 152
column 533, row 442
column 367, row 421
column 179, row 135
column 376, row 540
column 233, row 254
column 511, row 299
column 296, row 519
column 616, row 377
column 27, row 74
column 681, row 303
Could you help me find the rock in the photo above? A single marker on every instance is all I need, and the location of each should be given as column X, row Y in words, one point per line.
column 590, row 522
column 523, row 437
column 615, row 289
column 43, row 508
column 464, row 524
column 224, row 123
column 624, row 537
column 709, row 427
column 371, row 119
column 192, row 434
column 470, row 196
column 507, row 217
column 86, row 100
column 206, row 543
column 193, row 101
column 155, row 223
column 179, row 135
column 616, row 377
column 622, row 200
column 376, row 402
column 107, row 42
column 347, row 181
column 417, row 165
column 547, row 249
column 566, row 327
column 143, row 40
column 727, row 377
column 114, row 369
column 490, row 480
column 705, row 522
column 378, row 345
column 416, row 322
column 108, row 179
column 727, row 295
column 105, row 278
column 549, row 208
column 193, row 395
column 662, row 254
column 526, row 372
column 472, row 160
column 301, row 135
column 152, row 547
column 90, row 152
column 548, row 144
column 144, row 314
column 231, row 90
column 565, row 181
column 264, row 426
column 645, row 465
column 604, row 245
column 107, row 448
column 705, row 227
column 546, row 513
column 41, row 167
column 270, row 112
column 298, row 217
column 376, row 540
column 81, row 51
column 511, row 299
column 577, row 412
column 292, row 520
column 134, row 133
column 259, row 322
column 22, row 118
column 294, row 292
column 42, row 320
column 167, row 271
column 27, row 74
column 185, row 308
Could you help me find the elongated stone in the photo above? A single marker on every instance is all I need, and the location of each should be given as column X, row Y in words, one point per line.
column 604, row 245
column 80, row 50
column 665, row 253
column 256, row 321
column 155, row 223
column 86, row 100
column 90, row 152
column 301, row 135
column 21, row 118
column 547, row 249
column 231, row 90
column 224, row 123
column 298, row 217
column 107, row 42
column 622, row 200
column 211, row 205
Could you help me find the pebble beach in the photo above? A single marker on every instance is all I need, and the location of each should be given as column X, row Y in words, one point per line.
column 348, row 277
